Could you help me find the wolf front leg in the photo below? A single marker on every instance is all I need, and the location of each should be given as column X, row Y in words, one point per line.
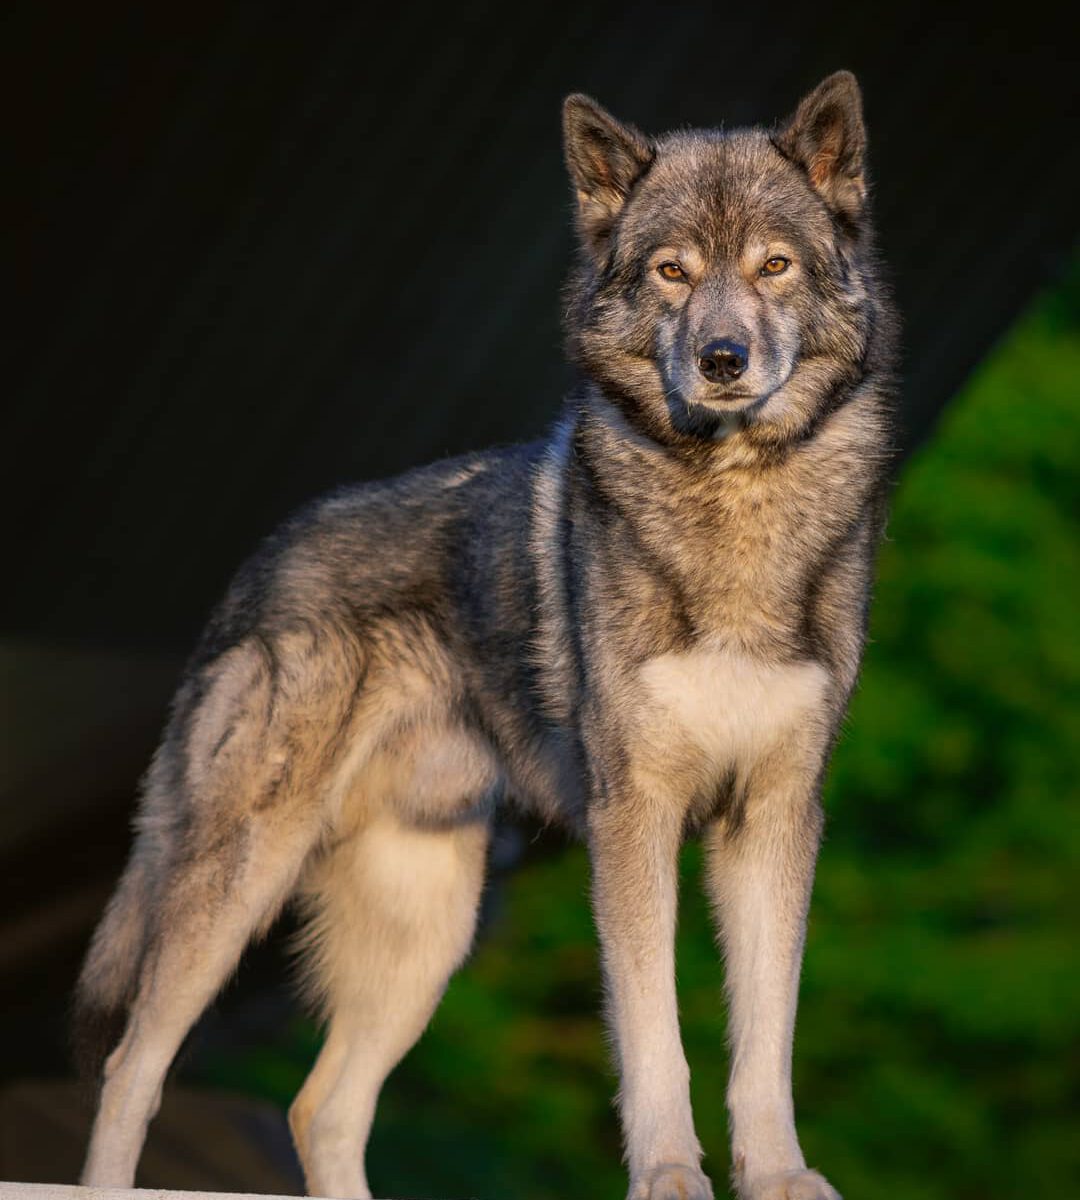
column 634, row 846
column 760, row 871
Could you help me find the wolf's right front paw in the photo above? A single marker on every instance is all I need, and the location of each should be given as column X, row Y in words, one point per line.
column 671, row 1181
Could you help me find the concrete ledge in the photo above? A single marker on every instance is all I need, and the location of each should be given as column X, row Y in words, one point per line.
column 68, row 1191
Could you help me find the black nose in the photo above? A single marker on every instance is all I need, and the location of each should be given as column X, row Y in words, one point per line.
column 722, row 359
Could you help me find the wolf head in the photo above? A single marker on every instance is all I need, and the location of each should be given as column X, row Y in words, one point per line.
column 725, row 278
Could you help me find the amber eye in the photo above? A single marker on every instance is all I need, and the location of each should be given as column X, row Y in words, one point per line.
column 671, row 270
column 776, row 265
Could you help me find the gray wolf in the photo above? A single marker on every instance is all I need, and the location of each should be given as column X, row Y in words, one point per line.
column 646, row 627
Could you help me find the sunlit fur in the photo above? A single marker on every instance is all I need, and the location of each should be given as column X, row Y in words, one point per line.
column 644, row 627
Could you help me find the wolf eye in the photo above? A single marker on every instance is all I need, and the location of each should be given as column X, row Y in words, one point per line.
column 776, row 265
column 671, row 270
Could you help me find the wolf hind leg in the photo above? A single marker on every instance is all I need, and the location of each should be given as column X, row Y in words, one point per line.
column 393, row 915
column 183, row 971
column 233, row 807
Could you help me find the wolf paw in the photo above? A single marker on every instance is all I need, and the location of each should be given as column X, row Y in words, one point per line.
column 671, row 1181
column 790, row 1185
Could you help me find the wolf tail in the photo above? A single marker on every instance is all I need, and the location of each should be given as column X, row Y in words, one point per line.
column 110, row 973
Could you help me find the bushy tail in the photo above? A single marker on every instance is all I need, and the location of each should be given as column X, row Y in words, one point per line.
column 110, row 974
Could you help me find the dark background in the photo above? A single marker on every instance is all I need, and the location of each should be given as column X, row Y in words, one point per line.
column 259, row 250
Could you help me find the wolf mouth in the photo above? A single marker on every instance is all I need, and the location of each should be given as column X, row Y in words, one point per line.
column 724, row 397
column 729, row 404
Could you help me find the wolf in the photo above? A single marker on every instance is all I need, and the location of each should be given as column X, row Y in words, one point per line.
column 645, row 627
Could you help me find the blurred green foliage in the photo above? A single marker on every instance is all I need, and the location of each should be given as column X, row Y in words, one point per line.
column 937, row 1053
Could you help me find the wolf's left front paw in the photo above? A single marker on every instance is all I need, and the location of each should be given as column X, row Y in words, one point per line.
column 790, row 1185
column 672, row 1181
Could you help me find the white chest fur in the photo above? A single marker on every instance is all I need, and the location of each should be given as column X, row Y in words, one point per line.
column 731, row 707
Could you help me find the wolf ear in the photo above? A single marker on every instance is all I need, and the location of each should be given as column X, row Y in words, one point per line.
column 605, row 159
column 827, row 138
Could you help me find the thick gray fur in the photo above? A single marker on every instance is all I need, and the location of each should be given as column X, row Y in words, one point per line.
column 645, row 627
